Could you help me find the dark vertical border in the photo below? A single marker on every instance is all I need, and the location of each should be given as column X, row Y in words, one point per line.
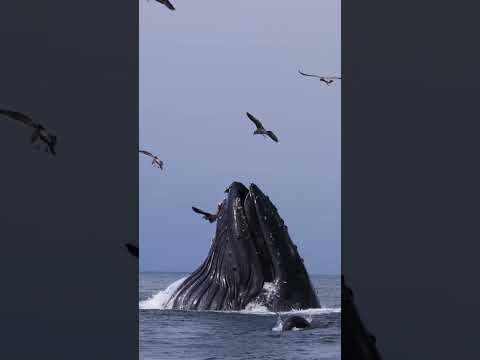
column 69, row 288
column 410, row 174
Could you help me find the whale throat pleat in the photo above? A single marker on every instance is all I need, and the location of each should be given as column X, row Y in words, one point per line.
column 225, row 280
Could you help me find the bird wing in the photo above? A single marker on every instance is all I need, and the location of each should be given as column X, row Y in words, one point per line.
column 132, row 249
column 198, row 211
column 321, row 77
column 317, row 76
column 168, row 4
column 257, row 122
column 146, row 153
column 18, row 116
column 272, row 136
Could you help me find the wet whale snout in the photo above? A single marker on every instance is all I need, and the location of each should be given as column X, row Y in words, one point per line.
column 250, row 254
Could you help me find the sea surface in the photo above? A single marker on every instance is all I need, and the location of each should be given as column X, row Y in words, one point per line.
column 253, row 333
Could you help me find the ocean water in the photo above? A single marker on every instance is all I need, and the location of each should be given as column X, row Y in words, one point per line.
column 248, row 334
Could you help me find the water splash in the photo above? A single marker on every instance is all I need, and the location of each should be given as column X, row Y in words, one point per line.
column 162, row 299
column 279, row 324
column 255, row 308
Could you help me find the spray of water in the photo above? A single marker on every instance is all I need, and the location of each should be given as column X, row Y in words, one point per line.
column 163, row 300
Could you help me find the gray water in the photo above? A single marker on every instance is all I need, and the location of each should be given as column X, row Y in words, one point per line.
column 249, row 334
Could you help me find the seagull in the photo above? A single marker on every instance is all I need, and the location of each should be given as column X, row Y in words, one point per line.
column 207, row 216
column 260, row 129
column 156, row 162
column 167, row 3
column 132, row 249
column 39, row 133
column 326, row 79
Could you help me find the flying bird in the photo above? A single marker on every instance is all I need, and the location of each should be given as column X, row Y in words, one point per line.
column 132, row 249
column 156, row 162
column 260, row 129
column 207, row 216
column 167, row 3
column 326, row 79
column 39, row 132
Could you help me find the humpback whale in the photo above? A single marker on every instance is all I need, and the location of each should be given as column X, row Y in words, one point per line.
column 251, row 258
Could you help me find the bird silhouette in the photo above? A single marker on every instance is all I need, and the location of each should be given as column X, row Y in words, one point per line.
column 207, row 216
column 132, row 249
column 326, row 79
column 156, row 162
column 39, row 131
column 260, row 129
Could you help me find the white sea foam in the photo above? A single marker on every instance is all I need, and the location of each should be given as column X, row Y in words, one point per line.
column 279, row 325
column 313, row 311
column 259, row 309
column 255, row 308
column 162, row 299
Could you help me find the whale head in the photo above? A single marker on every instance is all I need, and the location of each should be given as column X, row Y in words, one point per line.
column 251, row 258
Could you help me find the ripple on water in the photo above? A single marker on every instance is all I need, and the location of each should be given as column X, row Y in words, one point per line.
column 171, row 334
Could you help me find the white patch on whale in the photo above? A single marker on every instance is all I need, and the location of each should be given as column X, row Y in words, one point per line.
column 268, row 292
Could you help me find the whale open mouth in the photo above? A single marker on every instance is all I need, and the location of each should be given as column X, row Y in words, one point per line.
column 251, row 251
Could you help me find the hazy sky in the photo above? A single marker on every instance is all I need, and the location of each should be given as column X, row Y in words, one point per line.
column 201, row 68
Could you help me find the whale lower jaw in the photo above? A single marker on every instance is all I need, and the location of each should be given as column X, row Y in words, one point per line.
column 251, row 260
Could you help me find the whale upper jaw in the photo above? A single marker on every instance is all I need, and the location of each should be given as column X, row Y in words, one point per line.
column 283, row 265
column 252, row 258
